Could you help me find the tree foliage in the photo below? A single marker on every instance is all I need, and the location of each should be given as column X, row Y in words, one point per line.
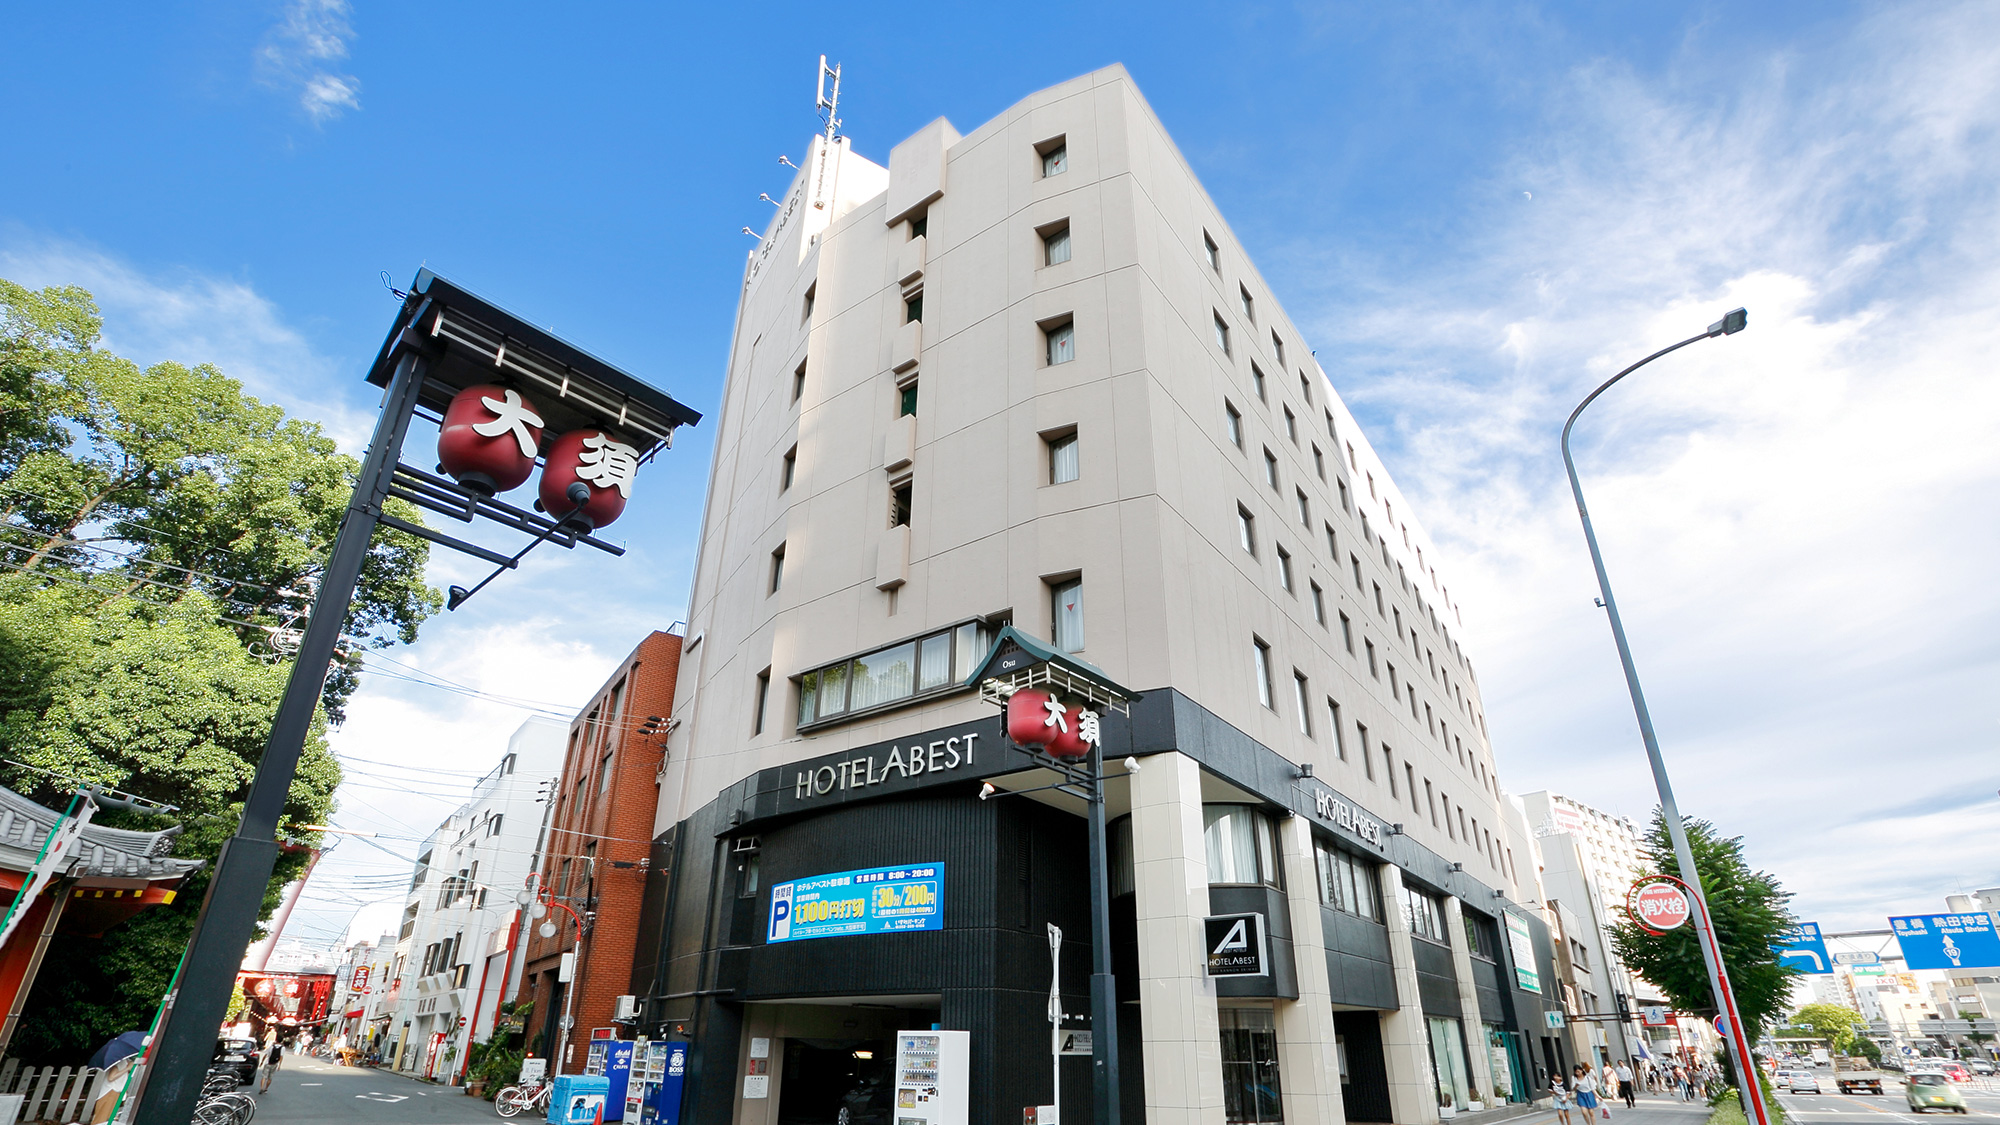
column 160, row 536
column 1751, row 918
column 1837, row 1025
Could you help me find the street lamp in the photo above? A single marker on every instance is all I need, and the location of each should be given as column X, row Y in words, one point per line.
column 1718, row 976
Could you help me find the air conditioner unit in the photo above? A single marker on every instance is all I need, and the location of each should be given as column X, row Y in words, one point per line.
column 626, row 1008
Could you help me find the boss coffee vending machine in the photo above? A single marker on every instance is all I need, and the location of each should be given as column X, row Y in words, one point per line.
column 931, row 1077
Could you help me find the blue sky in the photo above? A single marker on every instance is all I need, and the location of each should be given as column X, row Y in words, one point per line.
column 1475, row 211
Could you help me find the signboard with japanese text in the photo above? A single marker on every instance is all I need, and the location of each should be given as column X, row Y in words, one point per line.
column 1804, row 950
column 1947, row 941
column 877, row 900
column 1521, row 943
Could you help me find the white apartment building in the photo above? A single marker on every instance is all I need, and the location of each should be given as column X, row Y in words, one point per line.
column 1026, row 376
column 460, row 922
column 1589, row 860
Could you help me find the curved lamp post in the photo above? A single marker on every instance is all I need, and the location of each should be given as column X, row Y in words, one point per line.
column 538, row 907
column 1718, row 977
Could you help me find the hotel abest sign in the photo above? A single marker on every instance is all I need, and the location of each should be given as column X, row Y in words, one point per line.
column 1335, row 811
column 940, row 755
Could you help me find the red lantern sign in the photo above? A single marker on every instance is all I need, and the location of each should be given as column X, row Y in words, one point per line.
column 1028, row 717
column 1067, row 735
column 1659, row 906
column 489, row 438
column 600, row 461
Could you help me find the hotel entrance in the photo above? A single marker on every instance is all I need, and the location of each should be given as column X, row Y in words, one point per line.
column 824, row 1062
column 1251, row 1089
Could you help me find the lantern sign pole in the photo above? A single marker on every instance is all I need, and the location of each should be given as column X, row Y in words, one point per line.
column 1036, row 684
column 446, row 347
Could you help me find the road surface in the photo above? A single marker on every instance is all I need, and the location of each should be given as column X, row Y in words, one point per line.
column 310, row 1090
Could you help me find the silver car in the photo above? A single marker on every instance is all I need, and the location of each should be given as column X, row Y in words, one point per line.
column 1804, row 1082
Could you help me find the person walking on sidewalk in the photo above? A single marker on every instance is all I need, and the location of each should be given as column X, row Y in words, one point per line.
column 267, row 1069
column 1585, row 1081
column 1559, row 1092
column 1626, row 1089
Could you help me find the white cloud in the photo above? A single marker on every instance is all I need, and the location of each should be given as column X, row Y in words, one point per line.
column 1797, row 519
column 300, row 51
column 192, row 318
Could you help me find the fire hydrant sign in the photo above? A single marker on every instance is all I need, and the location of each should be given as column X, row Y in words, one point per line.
column 1659, row 906
column 877, row 900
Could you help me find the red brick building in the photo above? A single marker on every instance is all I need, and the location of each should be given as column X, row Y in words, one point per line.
column 595, row 846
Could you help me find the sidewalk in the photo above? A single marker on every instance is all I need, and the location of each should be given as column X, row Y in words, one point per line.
column 1654, row 1109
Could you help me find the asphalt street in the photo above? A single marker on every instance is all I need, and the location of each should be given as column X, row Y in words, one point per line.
column 1982, row 1103
column 307, row 1089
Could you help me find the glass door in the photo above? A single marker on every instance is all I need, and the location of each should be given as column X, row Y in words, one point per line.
column 1250, row 1091
column 1448, row 1058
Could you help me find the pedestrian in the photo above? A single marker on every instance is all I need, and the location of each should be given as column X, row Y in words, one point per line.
column 274, row 1053
column 1586, row 1091
column 1625, row 1088
column 1608, row 1091
column 1560, row 1092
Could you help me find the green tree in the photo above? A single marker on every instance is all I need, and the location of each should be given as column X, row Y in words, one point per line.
column 1837, row 1025
column 160, row 533
column 1750, row 919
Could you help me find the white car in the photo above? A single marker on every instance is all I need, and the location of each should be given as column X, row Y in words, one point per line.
column 1804, row 1082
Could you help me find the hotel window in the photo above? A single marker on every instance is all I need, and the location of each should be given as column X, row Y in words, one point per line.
column 1291, row 426
column 1063, row 459
column 1350, row 458
column 1302, row 698
column 913, row 309
column 1055, row 245
column 1261, row 654
column 1319, row 603
column 1271, row 468
column 1214, row 253
column 1347, row 633
column 1331, row 436
column 1246, row 529
column 914, row 669
column 906, row 399
column 1378, row 600
column 1431, row 800
column 1371, row 486
column 1389, row 767
column 1242, row 845
column 789, row 469
column 1319, row 462
column 1234, row 418
column 1395, row 689
column 1061, row 343
column 1410, row 774
column 811, row 291
column 777, row 569
column 920, row 225
column 1333, row 724
column 1361, row 741
column 1332, row 544
column 1055, row 156
column 1424, row 913
column 1249, row 306
column 1066, row 603
column 757, row 701
column 1284, row 570
column 1346, row 505
column 1347, row 882
column 1355, row 562
column 1305, row 384
column 1278, row 349
column 1305, row 509
column 899, row 506
column 1222, row 335
column 799, row 381
column 1256, row 379
column 1372, row 669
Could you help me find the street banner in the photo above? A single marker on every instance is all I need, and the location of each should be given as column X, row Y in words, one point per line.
column 876, row 900
column 1804, row 950
column 1521, row 943
column 1947, row 941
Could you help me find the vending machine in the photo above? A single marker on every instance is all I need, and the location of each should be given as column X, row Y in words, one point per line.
column 653, row 1094
column 932, row 1071
column 610, row 1059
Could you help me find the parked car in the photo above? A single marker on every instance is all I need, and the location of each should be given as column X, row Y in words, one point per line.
column 239, row 1055
column 1980, row 1066
column 1928, row 1090
column 1804, row 1082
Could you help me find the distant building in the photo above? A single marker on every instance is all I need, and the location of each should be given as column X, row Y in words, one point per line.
column 454, row 953
column 598, row 851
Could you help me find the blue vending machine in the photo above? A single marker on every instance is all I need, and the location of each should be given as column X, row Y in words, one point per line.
column 611, row 1060
column 658, row 1070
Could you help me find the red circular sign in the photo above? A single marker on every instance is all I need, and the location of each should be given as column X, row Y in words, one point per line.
column 1659, row 906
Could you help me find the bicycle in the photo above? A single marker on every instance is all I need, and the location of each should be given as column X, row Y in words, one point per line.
column 513, row 1099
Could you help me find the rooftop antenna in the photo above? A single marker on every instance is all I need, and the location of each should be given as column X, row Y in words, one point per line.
column 829, row 106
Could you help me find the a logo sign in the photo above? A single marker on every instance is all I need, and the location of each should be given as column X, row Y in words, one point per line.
column 1947, row 941
column 1553, row 1017
column 877, row 900
column 893, row 766
column 1656, row 1016
column 1335, row 811
column 1862, row 958
column 1804, row 950
column 1076, row 1043
column 1521, row 943
column 360, row 981
column 1658, row 906
column 1236, row 946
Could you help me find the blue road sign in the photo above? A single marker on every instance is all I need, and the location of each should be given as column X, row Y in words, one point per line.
column 1947, row 941
column 1804, row 950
